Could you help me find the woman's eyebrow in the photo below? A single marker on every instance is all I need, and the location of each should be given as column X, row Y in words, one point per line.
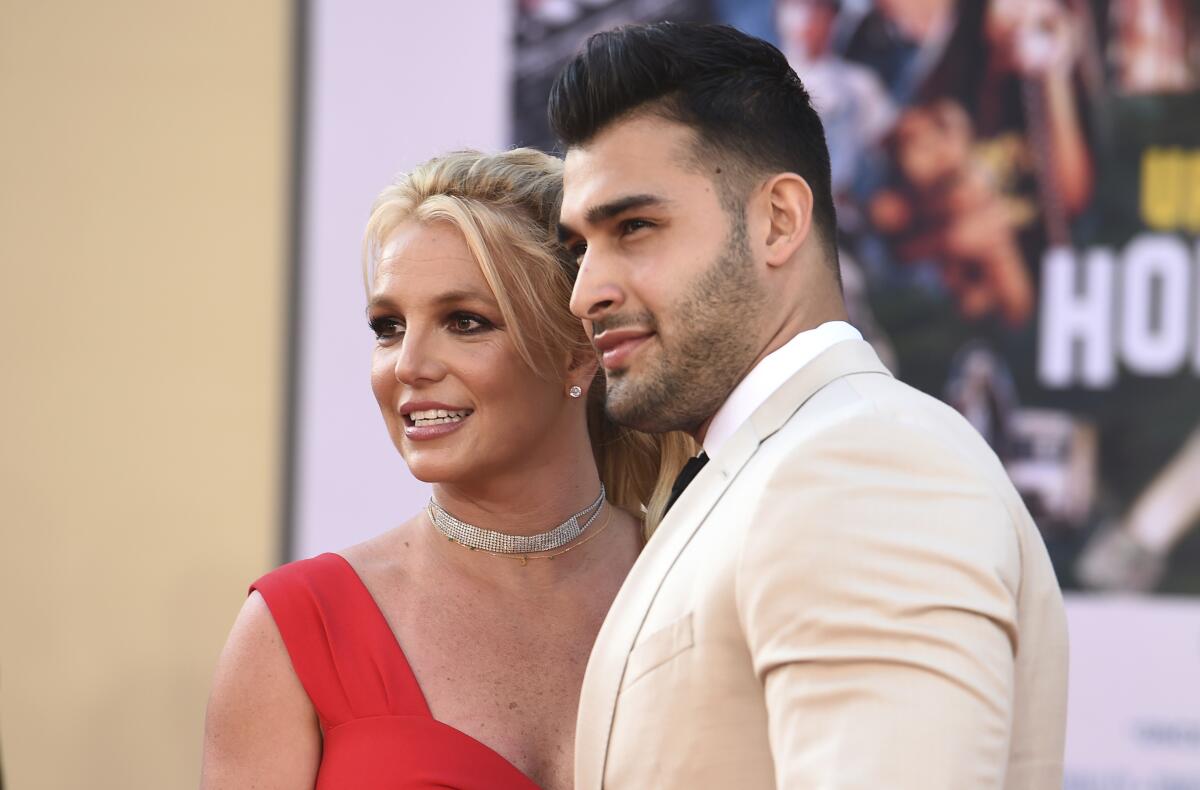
column 465, row 295
column 457, row 296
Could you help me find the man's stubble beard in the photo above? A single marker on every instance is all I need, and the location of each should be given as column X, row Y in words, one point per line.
column 710, row 348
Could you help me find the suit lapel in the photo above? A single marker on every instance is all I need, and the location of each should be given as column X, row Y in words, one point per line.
column 606, row 667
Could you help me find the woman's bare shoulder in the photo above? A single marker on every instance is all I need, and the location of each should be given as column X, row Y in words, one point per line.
column 260, row 728
column 386, row 554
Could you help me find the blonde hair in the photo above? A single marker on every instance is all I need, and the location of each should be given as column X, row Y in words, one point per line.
column 506, row 207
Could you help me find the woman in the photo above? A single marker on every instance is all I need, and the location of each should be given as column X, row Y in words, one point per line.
column 450, row 650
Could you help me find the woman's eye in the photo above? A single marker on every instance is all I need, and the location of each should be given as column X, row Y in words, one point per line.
column 387, row 328
column 466, row 324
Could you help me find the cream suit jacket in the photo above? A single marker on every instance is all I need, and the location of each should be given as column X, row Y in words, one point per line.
column 850, row 594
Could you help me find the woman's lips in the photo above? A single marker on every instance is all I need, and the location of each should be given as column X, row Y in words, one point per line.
column 421, row 433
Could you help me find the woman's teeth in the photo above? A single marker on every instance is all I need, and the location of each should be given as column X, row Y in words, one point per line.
column 437, row 416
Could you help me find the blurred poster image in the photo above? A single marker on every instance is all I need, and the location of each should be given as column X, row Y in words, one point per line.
column 549, row 32
column 1027, row 227
column 1018, row 192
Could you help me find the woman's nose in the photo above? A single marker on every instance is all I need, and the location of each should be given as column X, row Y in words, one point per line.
column 417, row 360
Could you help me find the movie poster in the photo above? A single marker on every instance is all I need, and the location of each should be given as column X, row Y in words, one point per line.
column 1018, row 195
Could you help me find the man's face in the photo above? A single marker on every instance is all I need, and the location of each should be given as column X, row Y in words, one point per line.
column 667, row 287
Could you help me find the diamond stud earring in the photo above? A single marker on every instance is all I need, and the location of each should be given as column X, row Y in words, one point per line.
column 575, row 391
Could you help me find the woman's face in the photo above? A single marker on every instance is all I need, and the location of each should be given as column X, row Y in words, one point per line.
column 458, row 400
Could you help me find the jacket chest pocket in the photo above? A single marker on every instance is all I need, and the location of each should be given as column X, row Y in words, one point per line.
column 657, row 649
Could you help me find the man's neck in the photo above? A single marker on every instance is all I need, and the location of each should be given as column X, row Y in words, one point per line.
column 780, row 338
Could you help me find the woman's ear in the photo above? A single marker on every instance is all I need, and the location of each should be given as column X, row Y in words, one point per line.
column 581, row 372
column 789, row 204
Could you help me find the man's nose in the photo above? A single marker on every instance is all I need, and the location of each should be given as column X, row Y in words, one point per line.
column 597, row 291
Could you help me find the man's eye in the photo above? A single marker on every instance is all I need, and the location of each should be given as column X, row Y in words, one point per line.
column 386, row 328
column 578, row 249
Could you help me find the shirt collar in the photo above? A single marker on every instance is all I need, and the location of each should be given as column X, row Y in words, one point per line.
column 769, row 375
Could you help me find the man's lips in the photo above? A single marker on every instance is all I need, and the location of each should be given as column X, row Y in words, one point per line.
column 617, row 345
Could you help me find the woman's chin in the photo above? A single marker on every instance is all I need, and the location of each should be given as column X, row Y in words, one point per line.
column 432, row 464
column 426, row 476
column 441, row 470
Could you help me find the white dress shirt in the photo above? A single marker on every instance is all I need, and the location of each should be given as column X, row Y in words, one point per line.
column 769, row 375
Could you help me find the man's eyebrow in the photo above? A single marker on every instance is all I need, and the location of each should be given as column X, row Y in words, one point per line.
column 606, row 211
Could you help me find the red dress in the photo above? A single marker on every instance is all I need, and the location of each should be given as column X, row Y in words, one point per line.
column 377, row 728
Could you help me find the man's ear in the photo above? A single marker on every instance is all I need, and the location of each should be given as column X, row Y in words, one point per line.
column 788, row 201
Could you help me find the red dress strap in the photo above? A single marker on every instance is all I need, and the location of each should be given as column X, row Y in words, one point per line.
column 341, row 646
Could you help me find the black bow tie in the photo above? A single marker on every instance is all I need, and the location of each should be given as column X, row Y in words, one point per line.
column 689, row 471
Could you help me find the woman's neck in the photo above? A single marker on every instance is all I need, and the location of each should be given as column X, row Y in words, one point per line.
column 524, row 502
column 530, row 501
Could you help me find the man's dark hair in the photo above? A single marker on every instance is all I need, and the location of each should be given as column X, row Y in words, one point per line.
column 751, row 114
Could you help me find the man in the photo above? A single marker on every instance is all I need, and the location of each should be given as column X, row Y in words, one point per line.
column 849, row 594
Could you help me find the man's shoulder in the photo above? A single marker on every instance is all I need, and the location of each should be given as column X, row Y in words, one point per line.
column 881, row 406
column 874, row 461
column 878, row 419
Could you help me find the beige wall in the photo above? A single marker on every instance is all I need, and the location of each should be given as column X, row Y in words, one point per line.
column 144, row 166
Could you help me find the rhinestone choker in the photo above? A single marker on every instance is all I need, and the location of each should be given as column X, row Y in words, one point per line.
column 474, row 537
